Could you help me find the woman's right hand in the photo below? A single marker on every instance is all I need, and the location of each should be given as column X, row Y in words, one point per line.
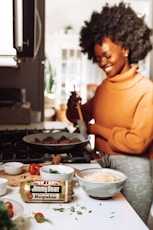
column 73, row 100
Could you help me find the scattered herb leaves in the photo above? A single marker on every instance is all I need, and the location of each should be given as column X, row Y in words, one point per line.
column 74, row 209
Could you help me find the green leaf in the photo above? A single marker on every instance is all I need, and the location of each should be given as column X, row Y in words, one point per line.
column 72, row 209
column 59, row 209
column 79, row 212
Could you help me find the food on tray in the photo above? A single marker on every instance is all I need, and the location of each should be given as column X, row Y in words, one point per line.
column 102, row 177
column 52, row 140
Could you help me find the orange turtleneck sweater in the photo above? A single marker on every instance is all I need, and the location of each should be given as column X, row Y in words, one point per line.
column 122, row 109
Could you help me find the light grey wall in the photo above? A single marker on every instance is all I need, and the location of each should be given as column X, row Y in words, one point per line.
column 61, row 13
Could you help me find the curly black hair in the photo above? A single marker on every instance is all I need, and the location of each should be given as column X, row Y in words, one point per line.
column 120, row 23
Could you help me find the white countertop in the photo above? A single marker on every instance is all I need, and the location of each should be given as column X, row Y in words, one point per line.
column 111, row 214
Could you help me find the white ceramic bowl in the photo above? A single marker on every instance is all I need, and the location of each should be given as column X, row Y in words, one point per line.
column 97, row 189
column 13, row 168
column 59, row 172
column 18, row 209
column 3, row 186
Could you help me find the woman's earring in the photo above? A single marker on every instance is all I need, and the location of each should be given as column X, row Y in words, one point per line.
column 126, row 55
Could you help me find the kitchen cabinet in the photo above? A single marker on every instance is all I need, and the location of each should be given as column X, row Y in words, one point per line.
column 7, row 51
column 21, row 31
column 30, row 74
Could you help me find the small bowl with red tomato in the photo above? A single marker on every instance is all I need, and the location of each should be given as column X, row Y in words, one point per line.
column 13, row 168
column 14, row 208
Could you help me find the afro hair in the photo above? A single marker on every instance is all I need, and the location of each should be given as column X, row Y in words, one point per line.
column 121, row 24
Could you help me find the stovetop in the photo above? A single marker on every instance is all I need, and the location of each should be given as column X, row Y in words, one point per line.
column 13, row 148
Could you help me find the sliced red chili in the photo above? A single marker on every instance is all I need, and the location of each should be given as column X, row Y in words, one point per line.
column 39, row 217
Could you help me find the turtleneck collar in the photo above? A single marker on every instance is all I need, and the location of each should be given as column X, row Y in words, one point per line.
column 125, row 80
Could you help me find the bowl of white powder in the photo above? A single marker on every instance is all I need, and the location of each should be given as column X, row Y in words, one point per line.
column 101, row 183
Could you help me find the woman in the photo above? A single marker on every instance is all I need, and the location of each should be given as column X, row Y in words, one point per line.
column 122, row 107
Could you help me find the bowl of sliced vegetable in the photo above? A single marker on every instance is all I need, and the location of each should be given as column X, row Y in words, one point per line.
column 56, row 172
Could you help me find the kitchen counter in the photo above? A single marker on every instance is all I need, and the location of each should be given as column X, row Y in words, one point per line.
column 115, row 213
column 39, row 125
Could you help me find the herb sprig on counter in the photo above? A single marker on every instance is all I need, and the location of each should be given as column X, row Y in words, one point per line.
column 77, row 209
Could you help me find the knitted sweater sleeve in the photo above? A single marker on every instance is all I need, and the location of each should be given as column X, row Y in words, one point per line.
column 136, row 139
